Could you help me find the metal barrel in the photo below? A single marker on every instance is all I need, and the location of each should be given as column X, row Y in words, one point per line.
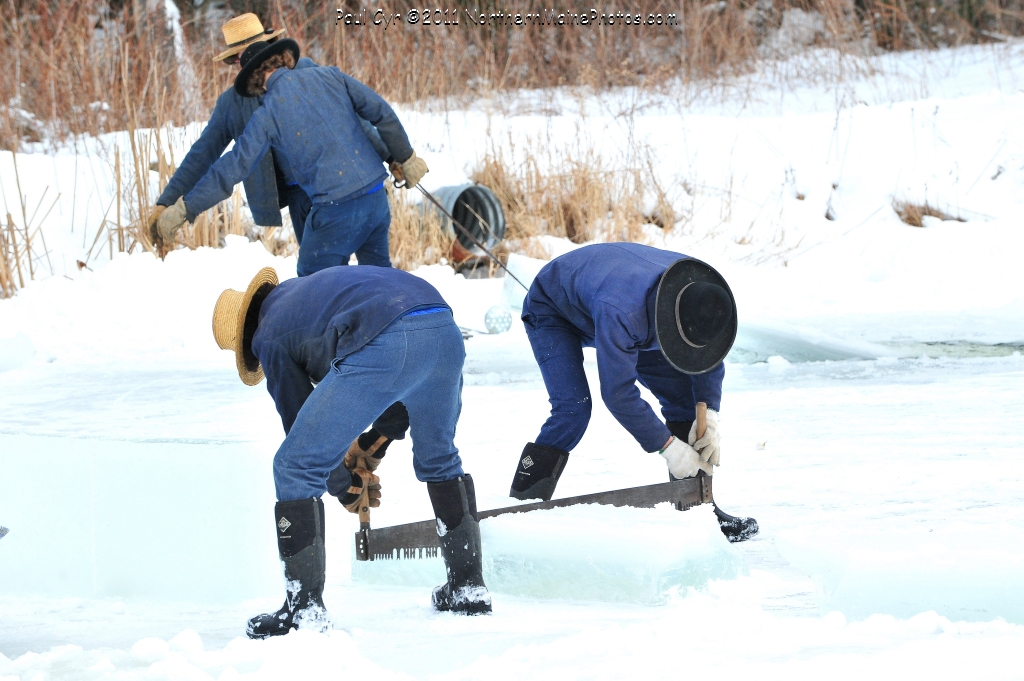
column 477, row 209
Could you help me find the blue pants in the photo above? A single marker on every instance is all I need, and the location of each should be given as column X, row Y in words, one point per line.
column 299, row 205
column 334, row 231
column 558, row 347
column 417, row 360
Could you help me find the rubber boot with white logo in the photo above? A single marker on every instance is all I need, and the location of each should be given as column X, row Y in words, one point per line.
column 458, row 529
column 300, row 543
column 538, row 472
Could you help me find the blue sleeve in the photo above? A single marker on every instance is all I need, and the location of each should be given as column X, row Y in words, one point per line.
column 287, row 383
column 616, row 367
column 203, row 154
column 376, row 142
column 371, row 107
column 231, row 168
column 707, row 388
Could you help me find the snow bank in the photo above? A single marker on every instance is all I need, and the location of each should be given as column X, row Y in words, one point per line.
column 613, row 554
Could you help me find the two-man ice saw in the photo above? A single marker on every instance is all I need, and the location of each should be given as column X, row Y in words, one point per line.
column 419, row 540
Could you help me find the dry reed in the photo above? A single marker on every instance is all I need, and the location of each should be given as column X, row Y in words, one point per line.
column 93, row 66
column 574, row 193
column 913, row 214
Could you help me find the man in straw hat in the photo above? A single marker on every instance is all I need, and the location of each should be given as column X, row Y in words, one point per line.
column 654, row 316
column 367, row 337
column 311, row 119
column 271, row 185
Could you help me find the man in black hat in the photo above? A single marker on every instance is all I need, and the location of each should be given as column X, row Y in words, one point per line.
column 271, row 185
column 654, row 316
column 311, row 119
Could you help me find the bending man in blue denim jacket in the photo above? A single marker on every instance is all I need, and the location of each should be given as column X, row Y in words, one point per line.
column 270, row 186
column 655, row 317
column 311, row 119
column 368, row 337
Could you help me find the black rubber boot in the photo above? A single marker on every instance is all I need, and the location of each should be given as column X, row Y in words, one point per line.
column 458, row 528
column 735, row 529
column 538, row 472
column 300, row 543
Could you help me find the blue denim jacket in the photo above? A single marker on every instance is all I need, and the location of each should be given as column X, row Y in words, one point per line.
column 308, row 322
column 607, row 292
column 311, row 118
column 230, row 116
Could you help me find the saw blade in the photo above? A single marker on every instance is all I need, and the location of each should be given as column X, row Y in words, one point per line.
column 419, row 540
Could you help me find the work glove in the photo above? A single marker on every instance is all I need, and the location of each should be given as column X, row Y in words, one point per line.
column 708, row 446
column 683, row 460
column 366, row 451
column 410, row 171
column 365, row 485
column 154, row 216
column 170, row 221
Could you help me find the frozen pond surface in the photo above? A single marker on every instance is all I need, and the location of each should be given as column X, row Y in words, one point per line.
column 884, row 489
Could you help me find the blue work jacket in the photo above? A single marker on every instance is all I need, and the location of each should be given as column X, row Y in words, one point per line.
column 262, row 187
column 311, row 119
column 306, row 323
column 607, row 293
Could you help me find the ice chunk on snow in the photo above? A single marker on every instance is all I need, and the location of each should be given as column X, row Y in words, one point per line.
column 953, row 568
column 157, row 520
column 588, row 552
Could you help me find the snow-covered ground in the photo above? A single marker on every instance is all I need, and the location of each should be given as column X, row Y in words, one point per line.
column 871, row 423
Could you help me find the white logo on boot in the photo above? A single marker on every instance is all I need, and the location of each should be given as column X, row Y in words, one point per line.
column 283, row 524
column 527, row 462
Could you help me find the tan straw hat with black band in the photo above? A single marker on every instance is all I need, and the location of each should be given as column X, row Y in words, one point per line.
column 243, row 30
column 235, row 317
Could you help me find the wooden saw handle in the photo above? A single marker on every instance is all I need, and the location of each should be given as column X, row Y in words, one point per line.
column 702, row 419
column 364, row 511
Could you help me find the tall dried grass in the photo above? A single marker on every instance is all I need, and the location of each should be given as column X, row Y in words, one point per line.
column 574, row 193
column 92, row 66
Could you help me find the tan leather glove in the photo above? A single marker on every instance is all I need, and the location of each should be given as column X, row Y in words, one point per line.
column 171, row 220
column 365, row 485
column 366, row 451
column 411, row 171
column 708, row 446
column 154, row 216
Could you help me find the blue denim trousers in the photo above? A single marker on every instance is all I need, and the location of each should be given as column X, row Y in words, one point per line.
column 299, row 206
column 417, row 360
column 558, row 348
column 334, row 231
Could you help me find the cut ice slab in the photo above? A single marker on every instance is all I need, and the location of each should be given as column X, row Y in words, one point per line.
column 589, row 553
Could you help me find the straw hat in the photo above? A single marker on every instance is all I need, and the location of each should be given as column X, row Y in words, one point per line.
column 243, row 30
column 695, row 316
column 235, row 317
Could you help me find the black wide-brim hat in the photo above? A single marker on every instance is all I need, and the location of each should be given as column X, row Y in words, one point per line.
column 680, row 353
column 255, row 55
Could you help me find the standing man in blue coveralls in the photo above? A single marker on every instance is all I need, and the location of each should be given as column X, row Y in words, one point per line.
column 271, row 186
column 654, row 316
column 368, row 337
column 311, row 118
